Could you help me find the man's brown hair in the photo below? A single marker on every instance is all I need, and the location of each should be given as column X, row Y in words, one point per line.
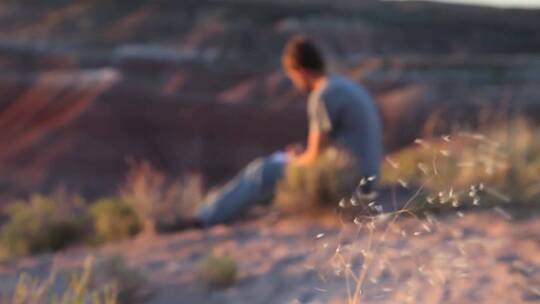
column 301, row 52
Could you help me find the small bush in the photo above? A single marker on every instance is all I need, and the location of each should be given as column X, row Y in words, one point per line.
column 113, row 220
column 318, row 186
column 42, row 224
column 131, row 284
column 218, row 271
column 158, row 202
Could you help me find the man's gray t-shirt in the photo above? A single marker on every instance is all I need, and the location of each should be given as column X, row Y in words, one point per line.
column 348, row 114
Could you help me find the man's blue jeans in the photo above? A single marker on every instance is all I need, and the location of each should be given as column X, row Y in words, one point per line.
column 254, row 184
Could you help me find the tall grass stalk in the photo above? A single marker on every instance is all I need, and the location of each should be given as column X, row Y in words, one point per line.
column 79, row 290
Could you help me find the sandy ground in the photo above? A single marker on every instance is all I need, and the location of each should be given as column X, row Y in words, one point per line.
column 488, row 256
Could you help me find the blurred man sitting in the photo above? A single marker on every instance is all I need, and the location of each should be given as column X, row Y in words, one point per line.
column 340, row 113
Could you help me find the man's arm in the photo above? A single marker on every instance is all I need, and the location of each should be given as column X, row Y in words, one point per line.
column 320, row 127
column 317, row 141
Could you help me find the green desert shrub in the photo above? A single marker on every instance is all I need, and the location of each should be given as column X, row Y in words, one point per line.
column 41, row 224
column 321, row 185
column 218, row 271
column 113, row 220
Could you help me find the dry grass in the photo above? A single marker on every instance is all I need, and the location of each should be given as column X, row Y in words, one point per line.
column 305, row 189
column 79, row 290
column 131, row 284
column 498, row 164
column 492, row 168
column 103, row 281
column 158, row 202
column 52, row 222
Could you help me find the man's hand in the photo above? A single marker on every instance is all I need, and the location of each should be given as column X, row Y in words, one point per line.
column 317, row 141
column 303, row 159
column 294, row 150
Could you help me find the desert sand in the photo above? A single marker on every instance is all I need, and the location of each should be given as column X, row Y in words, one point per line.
column 485, row 256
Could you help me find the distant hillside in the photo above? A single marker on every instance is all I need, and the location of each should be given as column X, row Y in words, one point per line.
column 197, row 85
column 233, row 27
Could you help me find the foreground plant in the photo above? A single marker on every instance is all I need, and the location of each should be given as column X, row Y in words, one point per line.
column 158, row 202
column 113, row 219
column 79, row 290
column 42, row 224
column 131, row 284
column 317, row 187
column 218, row 270
column 449, row 175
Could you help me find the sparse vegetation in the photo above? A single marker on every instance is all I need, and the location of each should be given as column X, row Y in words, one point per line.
column 79, row 291
column 52, row 222
column 459, row 169
column 218, row 271
column 103, row 281
column 114, row 219
column 494, row 167
column 131, row 284
column 42, row 224
column 158, row 202
column 310, row 189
